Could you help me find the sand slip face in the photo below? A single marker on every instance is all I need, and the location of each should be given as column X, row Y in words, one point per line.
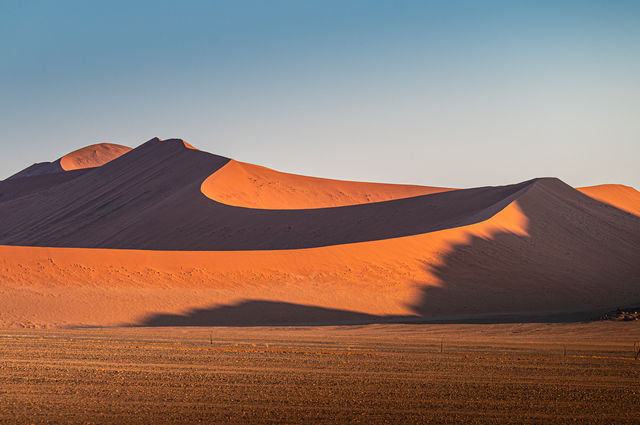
column 251, row 186
column 620, row 196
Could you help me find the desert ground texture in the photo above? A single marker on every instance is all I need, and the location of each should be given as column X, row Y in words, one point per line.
column 445, row 373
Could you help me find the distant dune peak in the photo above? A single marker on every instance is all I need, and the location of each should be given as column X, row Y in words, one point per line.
column 87, row 157
column 92, row 156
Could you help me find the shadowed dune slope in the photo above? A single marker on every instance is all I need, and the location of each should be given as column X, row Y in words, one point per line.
column 39, row 168
column 620, row 196
column 247, row 185
column 552, row 252
column 579, row 255
column 87, row 157
column 12, row 188
column 150, row 198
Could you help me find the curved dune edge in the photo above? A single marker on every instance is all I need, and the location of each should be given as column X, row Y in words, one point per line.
column 620, row 196
column 55, row 287
column 251, row 186
column 92, row 156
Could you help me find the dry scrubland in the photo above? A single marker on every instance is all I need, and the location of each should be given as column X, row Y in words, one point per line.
column 508, row 373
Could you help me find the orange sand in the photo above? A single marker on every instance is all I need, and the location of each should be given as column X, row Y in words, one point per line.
column 92, row 156
column 252, row 186
column 623, row 197
column 551, row 250
column 72, row 286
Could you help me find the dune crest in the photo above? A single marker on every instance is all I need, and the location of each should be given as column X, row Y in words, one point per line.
column 252, row 186
column 173, row 140
column 620, row 196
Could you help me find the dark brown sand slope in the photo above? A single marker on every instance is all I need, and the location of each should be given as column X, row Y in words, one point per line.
column 576, row 249
column 444, row 374
column 150, row 198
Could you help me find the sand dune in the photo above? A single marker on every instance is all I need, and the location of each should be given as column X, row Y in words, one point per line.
column 160, row 248
column 87, row 157
column 251, row 186
column 151, row 199
column 620, row 196
column 92, row 156
column 98, row 286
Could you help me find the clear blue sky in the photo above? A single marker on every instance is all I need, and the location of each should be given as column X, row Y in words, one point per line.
column 449, row 93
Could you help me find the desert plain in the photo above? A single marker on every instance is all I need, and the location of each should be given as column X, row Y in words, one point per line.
column 531, row 373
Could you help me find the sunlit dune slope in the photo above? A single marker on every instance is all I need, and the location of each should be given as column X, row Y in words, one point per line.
column 551, row 251
column 92, row 156
column 623, row 197
column 63, row 286
column 251, row 186
column 87, row 157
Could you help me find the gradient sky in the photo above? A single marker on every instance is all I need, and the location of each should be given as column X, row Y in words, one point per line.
column 447, row 93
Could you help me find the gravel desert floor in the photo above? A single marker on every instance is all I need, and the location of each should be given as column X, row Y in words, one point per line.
column 428, row 373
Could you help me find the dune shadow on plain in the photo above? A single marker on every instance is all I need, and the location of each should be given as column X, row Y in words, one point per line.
column 275, row 313
column 265, row 313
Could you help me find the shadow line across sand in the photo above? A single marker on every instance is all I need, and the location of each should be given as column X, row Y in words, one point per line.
column 274, row 313
column 581, row 259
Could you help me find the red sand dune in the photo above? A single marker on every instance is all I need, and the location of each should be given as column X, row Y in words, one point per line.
column 92, row 156
column 87, row 157
column 139, row 243
column 150, row 199
column 623, row 197
column 251, row 186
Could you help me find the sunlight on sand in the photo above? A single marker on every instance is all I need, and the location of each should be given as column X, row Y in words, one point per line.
column 61, row 286
column 252, row 186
